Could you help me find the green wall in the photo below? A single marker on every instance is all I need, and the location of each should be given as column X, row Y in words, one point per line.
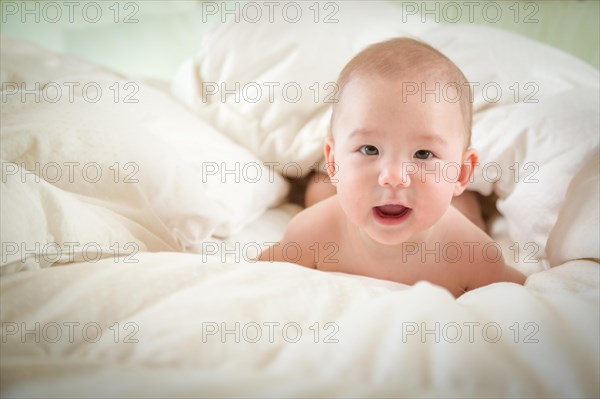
column 160, row 35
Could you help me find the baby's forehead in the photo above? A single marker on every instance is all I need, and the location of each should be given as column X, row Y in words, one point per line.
column 410, row 67
column 393, row 92
column 406, row 78
column 398, row 89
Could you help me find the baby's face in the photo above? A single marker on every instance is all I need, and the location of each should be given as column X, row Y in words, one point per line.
column 397, row 158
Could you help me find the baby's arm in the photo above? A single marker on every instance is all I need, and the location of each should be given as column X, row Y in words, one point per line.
column 294, row 247
column 483, row 265
column 485, row 271
column 512, row 275
column 469, row 206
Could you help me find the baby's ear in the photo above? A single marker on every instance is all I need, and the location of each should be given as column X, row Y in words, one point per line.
column 470, row 159
column 329, row 158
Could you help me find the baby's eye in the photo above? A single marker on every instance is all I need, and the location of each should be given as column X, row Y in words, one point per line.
column 369, row 150
column 423, row 154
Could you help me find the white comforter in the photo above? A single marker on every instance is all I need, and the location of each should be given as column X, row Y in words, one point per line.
column 98, row 299
column 180, row 325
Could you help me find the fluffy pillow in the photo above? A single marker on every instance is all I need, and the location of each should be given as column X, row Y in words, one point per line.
column 576, row 234
column 535, row 123
column 43, row 225
column 130, row 149
column 298, row 61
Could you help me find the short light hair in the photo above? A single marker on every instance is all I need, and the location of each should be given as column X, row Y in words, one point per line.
column 404, row 57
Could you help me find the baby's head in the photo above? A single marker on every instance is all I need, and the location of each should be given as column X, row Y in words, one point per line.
column 398, row 149
column 414, row 63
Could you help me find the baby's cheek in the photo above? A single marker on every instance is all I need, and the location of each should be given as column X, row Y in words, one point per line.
column 345, row 168
column 352, row 208
column 348, row 196
column 351, row 179
column 436, row 201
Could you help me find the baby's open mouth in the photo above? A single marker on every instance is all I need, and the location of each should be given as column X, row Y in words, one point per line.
column 391, row 211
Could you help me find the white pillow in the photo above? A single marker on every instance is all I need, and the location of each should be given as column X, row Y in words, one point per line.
column 576, row 234
column 535, row 133
column 156, row 159
column 493, row 58
column 299, row 60
column 539, row 148
column 43, row 225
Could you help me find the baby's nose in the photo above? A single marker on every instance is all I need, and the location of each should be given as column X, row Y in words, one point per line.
column 397, row 174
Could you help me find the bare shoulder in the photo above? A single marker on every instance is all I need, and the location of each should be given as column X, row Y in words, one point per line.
column 482, row 262
column 309, row 227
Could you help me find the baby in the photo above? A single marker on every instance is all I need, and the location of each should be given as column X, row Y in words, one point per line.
column 397, row 153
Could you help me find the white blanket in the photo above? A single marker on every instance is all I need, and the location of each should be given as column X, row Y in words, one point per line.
column 183, row 325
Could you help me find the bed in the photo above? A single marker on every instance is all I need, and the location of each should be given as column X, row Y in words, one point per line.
column 133, row 211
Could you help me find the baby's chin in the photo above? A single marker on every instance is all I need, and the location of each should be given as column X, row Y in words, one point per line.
column 389, row 237
column 395, row 235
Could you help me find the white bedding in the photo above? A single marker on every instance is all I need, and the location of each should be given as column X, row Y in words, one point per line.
column 170, row 300
column 134, row 316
